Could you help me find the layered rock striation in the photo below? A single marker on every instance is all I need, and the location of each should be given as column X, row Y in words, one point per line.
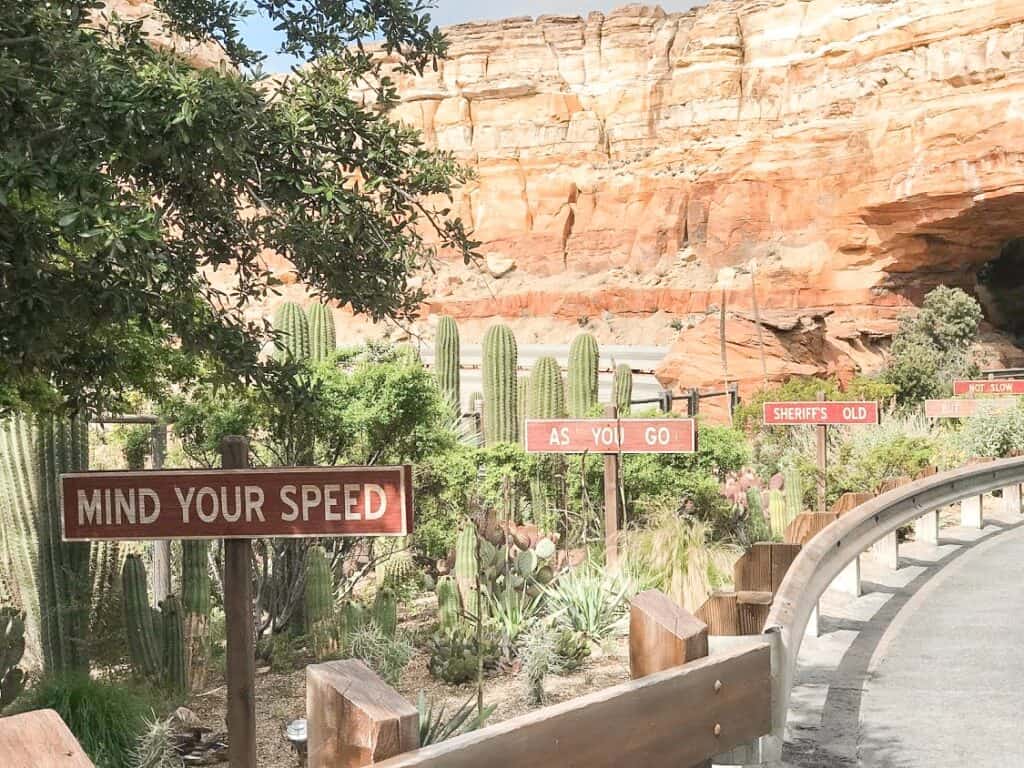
column 639, row 171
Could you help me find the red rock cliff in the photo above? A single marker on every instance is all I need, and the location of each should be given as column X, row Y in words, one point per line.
column 638, row 170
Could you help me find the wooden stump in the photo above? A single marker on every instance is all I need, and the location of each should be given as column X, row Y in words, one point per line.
column 662, row 634
column 720, row 614
column 39, row 739
column 763, row 566
column 752, row 608
column 850, row 500
column 354, row 718
column 807, row 525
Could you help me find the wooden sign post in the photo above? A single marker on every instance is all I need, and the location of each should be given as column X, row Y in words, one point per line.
column 237, row 504
column 612, row 437
column 821, row 413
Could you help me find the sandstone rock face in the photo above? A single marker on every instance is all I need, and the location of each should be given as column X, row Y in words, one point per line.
column 642, row 170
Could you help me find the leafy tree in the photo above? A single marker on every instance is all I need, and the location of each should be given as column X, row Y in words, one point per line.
column 128, row 176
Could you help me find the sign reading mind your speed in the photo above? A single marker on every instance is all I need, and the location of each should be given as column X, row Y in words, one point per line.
column 247, row 503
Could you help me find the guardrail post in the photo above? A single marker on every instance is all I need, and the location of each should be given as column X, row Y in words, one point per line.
column 926, row 527
column 1011, row 499
column 354, row 718
column 972, row 513
column 848, row 580
column 887, row 551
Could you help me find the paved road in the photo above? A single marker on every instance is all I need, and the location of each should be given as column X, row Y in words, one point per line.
column 926, row 670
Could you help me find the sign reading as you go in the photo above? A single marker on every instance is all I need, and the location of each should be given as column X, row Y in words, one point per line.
column 821, row 412
column 245, row 503
column 610, row 436
column 989, row 387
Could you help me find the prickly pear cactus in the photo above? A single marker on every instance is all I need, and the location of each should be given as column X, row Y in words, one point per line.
column 583, row 360
column 446, row 360
column 322, row 341
column 291, row 322
column 143, row 645
column 175, row 670
column 500, row 383
column 12, row 648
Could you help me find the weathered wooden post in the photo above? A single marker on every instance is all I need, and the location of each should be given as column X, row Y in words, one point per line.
column 238, row 620
column 822, row 456
column 354, row 718
column 662, row 635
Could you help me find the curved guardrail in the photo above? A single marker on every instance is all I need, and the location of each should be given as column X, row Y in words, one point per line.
column 824, row 557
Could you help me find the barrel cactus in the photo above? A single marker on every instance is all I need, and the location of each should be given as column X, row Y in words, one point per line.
column 293, row 328
column 622, row 388
column 446, row 360
column 143, row 646
column 322, row 341
column 499, row 376
column 583, row 361
column 175, row 671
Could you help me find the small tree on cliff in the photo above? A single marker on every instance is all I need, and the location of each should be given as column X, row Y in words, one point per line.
column 128, row 176
column 931, row 347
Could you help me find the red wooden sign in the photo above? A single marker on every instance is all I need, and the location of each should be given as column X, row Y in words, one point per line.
column 957, row 409
column 238, row 503
column 821, row 412
column 611, row 436
column 989, row 387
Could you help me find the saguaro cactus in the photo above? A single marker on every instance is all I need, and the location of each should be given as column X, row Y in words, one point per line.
column 175, row 674
column 65, row 585
column 12, row 648
column 195, row 598
column 293, row 343
column 385, row 611
column 447, row 602
column 547, row 391
column 143, row 647
column 622, row 388
column 499, row 369
column 794, row 488
column 319, row 604
column 583, row 359
column 322, row 341
column 446, row 360
column 466, row 565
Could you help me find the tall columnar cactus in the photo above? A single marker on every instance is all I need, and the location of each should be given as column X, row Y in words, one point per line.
column 143, row 645
column 319, row 603
column 65, row 585
column 175, row 670
column 522, row 404
column 322, row 341
column 446, row 360
column 291, row 322
column 12, row 648
column 583, row 360
column 499, row 369
column 622, row 388
column 778, row 513
column 794, row 488
column 19, row 508
column 547, row 391
column 195, row 599
column 385, row 611
column 448, row 607
column 466, row 567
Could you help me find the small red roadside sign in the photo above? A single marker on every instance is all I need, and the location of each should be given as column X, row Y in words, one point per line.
column 821, row 412
column 611, row 436
column 238, row 503
column 954, row 408
column 989, row 387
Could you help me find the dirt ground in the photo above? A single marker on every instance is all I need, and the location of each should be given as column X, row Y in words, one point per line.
column 281, row 698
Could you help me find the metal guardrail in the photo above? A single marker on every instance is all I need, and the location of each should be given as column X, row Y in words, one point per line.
column 824, row 557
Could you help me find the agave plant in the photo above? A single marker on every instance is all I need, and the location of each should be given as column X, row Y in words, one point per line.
column 585, row 600
column 514, row 611
column 435, row 727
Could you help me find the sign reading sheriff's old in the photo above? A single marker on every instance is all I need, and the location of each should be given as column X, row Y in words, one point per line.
column 610, row 436
column 821, row 412
column 989, row 387
column 243, row 503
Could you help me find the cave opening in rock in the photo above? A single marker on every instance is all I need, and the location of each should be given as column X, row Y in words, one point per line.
column 1001, row 289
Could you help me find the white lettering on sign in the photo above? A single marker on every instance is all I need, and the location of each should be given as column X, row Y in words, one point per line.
column 559, row 436
column 372, row 489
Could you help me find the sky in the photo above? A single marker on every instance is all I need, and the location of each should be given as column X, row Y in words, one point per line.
column 259, row 33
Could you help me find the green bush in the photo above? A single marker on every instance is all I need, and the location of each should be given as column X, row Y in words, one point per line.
column 748, row 415
column 106, row 718
column 865, row 458
column 993, row 435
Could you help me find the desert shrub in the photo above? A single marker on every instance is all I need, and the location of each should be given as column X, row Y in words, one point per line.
column 387, row 656
column 443, row 484
column 106, row 718
column 748, row 415
column 455, row 653
column 549, row 649
column 155, row 745
column 873, row 388
column 931, row 347
column 993, row 435
column 678, row 555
